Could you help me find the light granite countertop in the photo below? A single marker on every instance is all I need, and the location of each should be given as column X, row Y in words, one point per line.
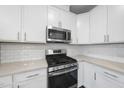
column 111, row 65
column 18, row 67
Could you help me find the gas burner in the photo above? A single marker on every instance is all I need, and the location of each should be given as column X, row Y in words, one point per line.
column 57, row 58
column 62, row 70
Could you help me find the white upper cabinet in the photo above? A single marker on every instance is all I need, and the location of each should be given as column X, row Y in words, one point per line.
column 73, row 28
column 98, row 24
column 116, row 23
column 34, row 22
column 9, row 23
column 83, row 28
column 54, row 16
column 23, row 23
column 63, row 19
column 68, row 20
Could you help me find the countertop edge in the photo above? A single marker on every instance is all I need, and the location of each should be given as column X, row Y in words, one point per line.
column 39, row 65
column 116, row 70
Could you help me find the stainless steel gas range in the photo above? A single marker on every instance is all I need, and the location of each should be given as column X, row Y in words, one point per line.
column 62, row 70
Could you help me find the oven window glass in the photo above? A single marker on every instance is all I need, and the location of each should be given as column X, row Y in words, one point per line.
column 63, row 81
column 54, row 34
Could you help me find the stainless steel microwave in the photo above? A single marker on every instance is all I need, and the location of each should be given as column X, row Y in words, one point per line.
column 55, row 34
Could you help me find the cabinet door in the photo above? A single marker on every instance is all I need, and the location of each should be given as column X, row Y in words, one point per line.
column 69, row 22
column 98, row 24
column 65, row 19
column 89, row 80
column 32, row 79
column 80, row 74
column 54, row 16
column 108, row 79
column 6, row 82
column 103, row 81
column 83, row 28
column 9, row 22
column 33, row 83
column 115, row 23
column 7, row 86
column 72, row 22
column 34, row 23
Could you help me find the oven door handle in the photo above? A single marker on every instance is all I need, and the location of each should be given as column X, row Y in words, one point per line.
column 61, row 72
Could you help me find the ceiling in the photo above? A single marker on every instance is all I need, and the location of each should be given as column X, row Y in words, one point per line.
column 78, row 9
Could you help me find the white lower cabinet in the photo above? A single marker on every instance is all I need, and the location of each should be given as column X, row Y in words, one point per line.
column 80, row 74
column 108, row 79
column 89, row 77
column 98, row 77
column 33, row 79
column 33, row 83
column 6, row 82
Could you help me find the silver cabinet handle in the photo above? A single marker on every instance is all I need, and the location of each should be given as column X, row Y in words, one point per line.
column 94, row 76
column 18, row 36
column 111, row 75
column 104, row 38
column 32, row 76
column 107, row 38
column 25, row 36
column 18, row 86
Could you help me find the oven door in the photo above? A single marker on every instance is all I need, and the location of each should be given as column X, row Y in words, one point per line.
column 64, row 80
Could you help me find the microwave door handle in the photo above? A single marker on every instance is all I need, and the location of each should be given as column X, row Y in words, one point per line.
column 66, row 36
column 69, row 35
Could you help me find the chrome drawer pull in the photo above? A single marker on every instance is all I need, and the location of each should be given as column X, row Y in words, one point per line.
column 18, row 36
column 25, row 36
column 104, row 38
column 32, row 76
column 111, row 75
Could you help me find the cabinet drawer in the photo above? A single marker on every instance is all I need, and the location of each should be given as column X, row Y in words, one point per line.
column 111, row 74
column 29, row 75
column 7, row 80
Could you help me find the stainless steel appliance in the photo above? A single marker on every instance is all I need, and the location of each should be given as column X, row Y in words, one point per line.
column 55, row 34
column 62, row 70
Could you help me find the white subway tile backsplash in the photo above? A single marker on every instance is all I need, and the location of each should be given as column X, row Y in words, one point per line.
column 107, row 51
column 16, row 52
column 12, row 52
